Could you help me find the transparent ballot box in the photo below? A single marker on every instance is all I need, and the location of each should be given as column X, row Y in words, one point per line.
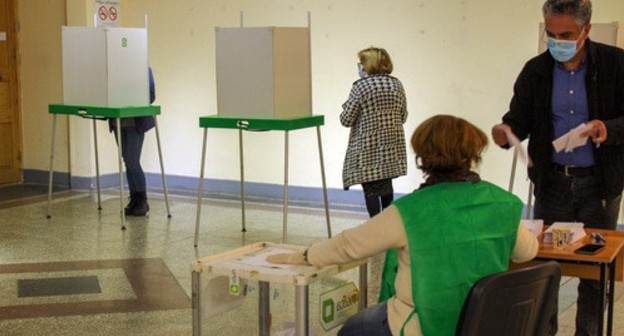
column 239, row 293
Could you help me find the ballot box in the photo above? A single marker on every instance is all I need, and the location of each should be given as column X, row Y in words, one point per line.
column 263, row 72
column 105, row 66
column 239, row 293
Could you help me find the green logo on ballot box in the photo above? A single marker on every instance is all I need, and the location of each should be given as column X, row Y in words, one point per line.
column 338, row 304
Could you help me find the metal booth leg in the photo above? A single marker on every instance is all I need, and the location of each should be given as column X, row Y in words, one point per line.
column 200, row 192
column 97, row 165
column 242, row 177
column 320, row 147
column 162, row 167
column 121, row 201
column 51, row 172
column 285, row 207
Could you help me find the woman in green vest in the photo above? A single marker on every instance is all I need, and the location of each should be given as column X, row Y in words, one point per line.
column 451, row 232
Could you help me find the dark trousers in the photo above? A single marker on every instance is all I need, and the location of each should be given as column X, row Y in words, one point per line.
column 378, row 195
column 372, row 321
column 561, row 198
column 131, row 146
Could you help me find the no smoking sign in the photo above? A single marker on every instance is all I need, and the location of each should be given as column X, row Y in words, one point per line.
column 107, row 13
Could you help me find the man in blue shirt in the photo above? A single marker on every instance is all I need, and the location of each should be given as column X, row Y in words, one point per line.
column 576, row 81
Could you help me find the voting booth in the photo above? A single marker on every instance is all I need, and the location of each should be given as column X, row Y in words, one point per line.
column 239, row 293
column 105, row 76
column 106, row 67
column 263, row 72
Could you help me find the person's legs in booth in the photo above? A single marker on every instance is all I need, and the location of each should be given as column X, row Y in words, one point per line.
column 132, row 145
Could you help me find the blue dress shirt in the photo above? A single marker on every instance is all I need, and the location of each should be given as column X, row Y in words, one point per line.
column 570, row 109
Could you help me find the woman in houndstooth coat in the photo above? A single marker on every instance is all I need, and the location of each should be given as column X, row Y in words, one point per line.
column 375, row 111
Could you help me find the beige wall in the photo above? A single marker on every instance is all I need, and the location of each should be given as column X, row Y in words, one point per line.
column 453, row 57
column 41, row 80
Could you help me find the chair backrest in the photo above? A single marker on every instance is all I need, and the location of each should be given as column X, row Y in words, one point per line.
column 517, row 302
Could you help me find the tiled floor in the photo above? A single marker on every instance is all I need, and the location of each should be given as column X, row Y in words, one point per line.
column 143, row 273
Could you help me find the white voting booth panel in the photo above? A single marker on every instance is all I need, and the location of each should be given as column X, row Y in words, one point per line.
column 263, row 72
column 105, row 67
column 332, row 292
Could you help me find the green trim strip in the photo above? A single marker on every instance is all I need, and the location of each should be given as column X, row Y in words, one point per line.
column 105, row 112
column 254, row 124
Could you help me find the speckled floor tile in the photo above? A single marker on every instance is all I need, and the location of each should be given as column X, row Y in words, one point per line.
column 78, row 232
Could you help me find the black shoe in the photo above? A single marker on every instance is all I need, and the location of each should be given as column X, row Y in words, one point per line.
column 140, row 207
column 130, row 207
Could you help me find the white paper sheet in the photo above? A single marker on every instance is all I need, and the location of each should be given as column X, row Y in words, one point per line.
column 259, row 260
column 575, row 227
column 571, row 140
column 513, row 141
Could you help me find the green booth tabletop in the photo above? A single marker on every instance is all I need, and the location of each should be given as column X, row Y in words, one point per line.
column 105, row 112
column 285, row 124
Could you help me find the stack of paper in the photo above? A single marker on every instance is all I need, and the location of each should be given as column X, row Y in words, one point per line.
column 536, row 226
column 575, row 228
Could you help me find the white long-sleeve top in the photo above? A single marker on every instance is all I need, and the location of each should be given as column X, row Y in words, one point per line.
column 386, row 231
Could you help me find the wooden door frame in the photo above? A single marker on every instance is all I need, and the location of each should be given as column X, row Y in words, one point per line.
column 12, row 32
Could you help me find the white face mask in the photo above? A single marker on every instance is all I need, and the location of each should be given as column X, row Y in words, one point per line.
column 361, row 71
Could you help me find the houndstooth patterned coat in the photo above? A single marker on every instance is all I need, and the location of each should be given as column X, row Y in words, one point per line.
column 375, row 111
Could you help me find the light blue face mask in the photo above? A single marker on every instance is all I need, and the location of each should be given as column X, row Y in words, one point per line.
column 562, row 50
column 361, row 71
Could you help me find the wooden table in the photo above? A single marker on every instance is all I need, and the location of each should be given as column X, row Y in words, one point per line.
column 99, row 113
column 590, row 266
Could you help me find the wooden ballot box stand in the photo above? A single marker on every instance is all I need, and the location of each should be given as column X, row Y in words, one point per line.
column 239, row 293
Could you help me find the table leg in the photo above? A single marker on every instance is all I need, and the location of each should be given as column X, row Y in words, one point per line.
column 162, row 168
column 611, row 297
column 242, row 177
column 264, row 308
column 196, row 298
column 285, row 208
column 601, row 298
column 97, row 165
column 363, row 270
column 200, row 192
column 121, row 201
column 302, row 320
column 320, row 146
column 51, row 172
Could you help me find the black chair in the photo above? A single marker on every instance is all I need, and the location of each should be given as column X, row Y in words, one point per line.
column 517, row 302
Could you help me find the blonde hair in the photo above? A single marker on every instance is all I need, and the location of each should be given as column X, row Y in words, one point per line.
column 446, row 143
column 376, row 61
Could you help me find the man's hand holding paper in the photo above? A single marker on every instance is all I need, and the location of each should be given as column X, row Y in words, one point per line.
column 503, row 135
column 576, row 137
column 598, row 132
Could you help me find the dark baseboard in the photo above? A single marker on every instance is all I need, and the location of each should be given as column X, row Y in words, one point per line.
column 223, row 189
column 220, row 189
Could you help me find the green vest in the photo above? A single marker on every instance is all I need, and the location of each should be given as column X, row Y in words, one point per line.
column 457, row 233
